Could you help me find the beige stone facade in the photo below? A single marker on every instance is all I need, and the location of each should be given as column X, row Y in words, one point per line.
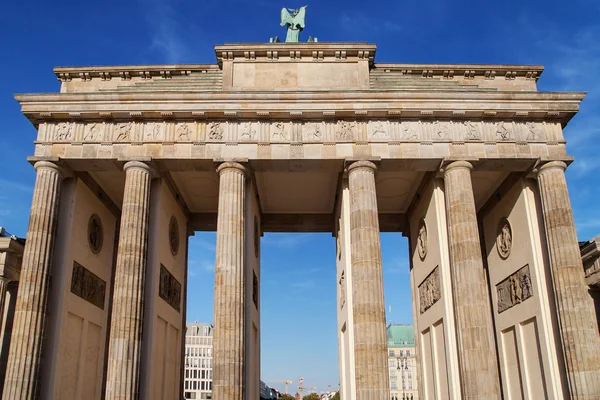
column 466, row 160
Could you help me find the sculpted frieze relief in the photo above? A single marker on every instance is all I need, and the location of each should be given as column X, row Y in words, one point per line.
column 345, row 130
column 247, row 131
column 154, row 132
column 93, row 132
column 378, row 130
column 287, row 131
column 514, row 290
column 64, row 132
column 123, row 132
column 215, row 131
column 279, row 132
column 183, row 132
column 312, row 131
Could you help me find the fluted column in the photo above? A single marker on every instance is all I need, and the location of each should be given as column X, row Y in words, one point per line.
column 228, row 340
column 123, row 375
column 368, row 307
column 3, row 286
column 25, row 354
column 577, row 323
column 474, row 331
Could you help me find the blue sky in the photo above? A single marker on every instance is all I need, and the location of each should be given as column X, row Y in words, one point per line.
column 298, row 299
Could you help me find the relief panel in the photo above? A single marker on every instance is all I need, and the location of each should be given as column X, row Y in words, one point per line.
column 169, row 289
column 514, row 290
column 429, row 290
column 88, row 286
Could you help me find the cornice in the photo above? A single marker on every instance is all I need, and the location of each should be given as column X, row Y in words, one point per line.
column 488, row 71
column 126, row 72
column 555, row 107
column 314, row 51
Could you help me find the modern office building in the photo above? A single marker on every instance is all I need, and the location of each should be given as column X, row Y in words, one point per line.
column 198, row 361
column 402, row 360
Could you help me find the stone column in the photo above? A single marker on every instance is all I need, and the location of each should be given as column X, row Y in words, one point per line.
column 3, row 286
column 228, row 340
column 123, row 375
column 25, row 354
column 576, row 319
column 368, row 307
column 474, row 331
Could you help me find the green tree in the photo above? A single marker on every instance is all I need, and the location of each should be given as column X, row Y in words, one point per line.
column 286, row 397
column 336, row 396
column 311, row 396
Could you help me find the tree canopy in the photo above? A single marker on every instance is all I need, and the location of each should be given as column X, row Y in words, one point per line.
column 311, row 396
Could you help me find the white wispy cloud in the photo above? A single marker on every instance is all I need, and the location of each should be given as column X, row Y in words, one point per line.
column 284, row 240
column 12, row 185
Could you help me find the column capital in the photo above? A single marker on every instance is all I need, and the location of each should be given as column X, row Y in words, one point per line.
column 231, row 165
column 139, row 165
column 461, row 164
column 550, row 166
column 49, row 165
column 362, row 164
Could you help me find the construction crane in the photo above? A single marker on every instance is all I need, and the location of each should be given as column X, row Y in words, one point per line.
column 302, row 388
column 286, row 382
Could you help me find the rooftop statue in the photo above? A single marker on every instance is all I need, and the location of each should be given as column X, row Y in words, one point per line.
column 294, row 19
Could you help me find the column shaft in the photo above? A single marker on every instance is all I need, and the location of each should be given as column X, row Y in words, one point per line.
column 128, row 299
column 474, row 331
column 229, row 333
column 368, row 307
column 25, row 354
column 579, row 335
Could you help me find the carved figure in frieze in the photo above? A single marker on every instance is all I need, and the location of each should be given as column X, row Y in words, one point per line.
column 408, row 132
column 377, row 130
column 501, row 132
column 504, row 238
column 471, row 130
column 184, row 132
column 278, row 131
column 92, row 131
column 152, row 131
column 124, row 131
column 534, row 131
column 526, row 285
column 95, row 234
column 64, row 131
column 247, row 132
column 312, row 131
column 441, row 129
column 422, row 239
column 345, row 130
column 215, row 131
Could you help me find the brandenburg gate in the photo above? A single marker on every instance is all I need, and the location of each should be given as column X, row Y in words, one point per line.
column 467, row 161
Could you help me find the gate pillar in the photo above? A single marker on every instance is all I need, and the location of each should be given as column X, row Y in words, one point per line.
column 577, row 322
column 475, row 338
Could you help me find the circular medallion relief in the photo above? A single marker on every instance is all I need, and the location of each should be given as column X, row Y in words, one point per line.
column 422, row 239
column 504, row 238
column 174, row 236
column 256, row 237
column 95, row 234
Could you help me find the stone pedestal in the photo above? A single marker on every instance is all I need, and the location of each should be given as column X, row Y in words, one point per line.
column 128, row 298
column 25, row 355
column 476, row 346
column 577, row 323
column 370, row 347
column 228, row 343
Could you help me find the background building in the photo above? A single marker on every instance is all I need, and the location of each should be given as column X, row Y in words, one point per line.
column 198, row 361
column 404, row 384
column 198, row 364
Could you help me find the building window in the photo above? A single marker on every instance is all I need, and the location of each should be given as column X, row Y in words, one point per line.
column 391, row 353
